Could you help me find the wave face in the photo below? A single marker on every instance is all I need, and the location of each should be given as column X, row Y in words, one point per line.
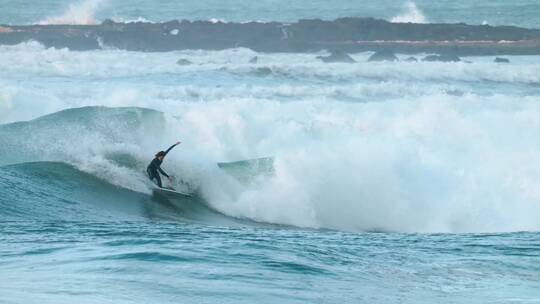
column 56, row 192
column 410, row 147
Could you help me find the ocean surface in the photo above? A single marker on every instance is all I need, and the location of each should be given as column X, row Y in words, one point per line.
column 390, row 182
column 494, row 12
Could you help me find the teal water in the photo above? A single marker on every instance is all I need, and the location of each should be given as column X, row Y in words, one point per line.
column 141, row 262
column 313, row 183
column 63, row 242
column 500, row 12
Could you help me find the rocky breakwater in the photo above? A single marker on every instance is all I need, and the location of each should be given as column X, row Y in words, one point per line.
column 344, row 34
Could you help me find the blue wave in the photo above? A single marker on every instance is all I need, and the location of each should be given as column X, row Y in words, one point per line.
column 59, row 192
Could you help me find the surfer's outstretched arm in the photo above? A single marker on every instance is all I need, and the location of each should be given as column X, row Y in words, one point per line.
column 163, row 172
column 171, row 147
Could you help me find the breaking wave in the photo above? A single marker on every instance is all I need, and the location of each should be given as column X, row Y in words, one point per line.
column 429, row 147
column 376, row 170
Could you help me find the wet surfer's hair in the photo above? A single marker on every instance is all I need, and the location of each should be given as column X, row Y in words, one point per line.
column 160, row 153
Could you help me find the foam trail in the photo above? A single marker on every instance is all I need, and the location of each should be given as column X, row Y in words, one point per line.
column 411, row 14
column 82, row 13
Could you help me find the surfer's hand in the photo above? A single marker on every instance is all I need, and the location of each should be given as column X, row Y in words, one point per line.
column 178, row 142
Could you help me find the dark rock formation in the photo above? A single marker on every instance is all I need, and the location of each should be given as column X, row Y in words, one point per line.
column 254, row 59
column 344, row 34
column 182, row 61
column 411, row 59
column 383, row 55
column 442, row 58
column 501, row 60
column 337, row 56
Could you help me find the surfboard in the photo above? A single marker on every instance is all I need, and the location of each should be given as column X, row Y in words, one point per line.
column 171, row 192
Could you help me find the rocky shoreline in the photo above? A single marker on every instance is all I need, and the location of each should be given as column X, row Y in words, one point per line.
column 344, row 35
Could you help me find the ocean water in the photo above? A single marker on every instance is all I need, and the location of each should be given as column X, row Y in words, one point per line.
column 314, row 183
column 495, row 12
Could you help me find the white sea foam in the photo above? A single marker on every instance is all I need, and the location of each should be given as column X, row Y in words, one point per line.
column 434, row 164
column 411, row 14
column 77, row 13
column 136, row 20
column 217, row 20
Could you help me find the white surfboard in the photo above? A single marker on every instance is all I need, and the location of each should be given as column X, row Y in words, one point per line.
column 167, row 191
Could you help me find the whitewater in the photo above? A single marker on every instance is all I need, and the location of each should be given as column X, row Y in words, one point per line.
column 370, row 182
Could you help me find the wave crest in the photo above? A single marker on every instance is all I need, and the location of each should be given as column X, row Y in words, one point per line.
column 82, row 13
column 412, row 14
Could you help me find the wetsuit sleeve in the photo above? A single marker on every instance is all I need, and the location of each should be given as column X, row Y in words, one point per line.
column 162, row 172
column 153, row 165
column 170, row 148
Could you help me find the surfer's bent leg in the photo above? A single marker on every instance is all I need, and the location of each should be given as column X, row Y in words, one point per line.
column 155, row 176
column 158, row 180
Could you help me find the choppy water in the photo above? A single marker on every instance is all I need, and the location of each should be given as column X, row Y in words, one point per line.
column 495, row 12
column 141, row 262
column 373, row 182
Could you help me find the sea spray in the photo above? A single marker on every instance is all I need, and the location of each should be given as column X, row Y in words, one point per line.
column 399, row 175
column 77, row 13
column 411, row 14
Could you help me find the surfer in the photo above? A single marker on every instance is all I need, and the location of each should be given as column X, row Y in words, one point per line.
column 155, row 166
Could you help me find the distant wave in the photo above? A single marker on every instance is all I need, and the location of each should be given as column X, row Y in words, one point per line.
column 63, row 63
column 82, row 13
column 411, row 14
column 127, row 21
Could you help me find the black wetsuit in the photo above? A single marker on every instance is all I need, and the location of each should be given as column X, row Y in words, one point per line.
column 154, row 167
